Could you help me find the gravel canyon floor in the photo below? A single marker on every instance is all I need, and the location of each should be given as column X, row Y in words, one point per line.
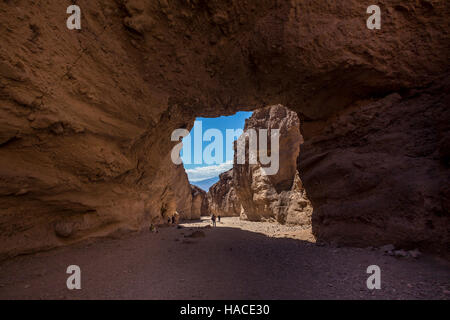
column 235, row 260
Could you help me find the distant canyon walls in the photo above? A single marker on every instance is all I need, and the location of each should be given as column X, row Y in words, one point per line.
column 86, row 115
column 248, row 190
column 276, row 196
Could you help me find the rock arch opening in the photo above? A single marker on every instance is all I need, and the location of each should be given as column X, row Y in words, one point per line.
column 256, row 177
column 83, row 134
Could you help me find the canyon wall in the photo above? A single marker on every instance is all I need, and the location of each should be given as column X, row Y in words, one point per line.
column 248, row 190
column 222, row 198
column 278, row 196
column 200, row 206
column 177, row 196
column 379, row 173
column 86, row 115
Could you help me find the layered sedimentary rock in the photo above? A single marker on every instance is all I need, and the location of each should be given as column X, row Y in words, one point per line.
column 222, row 197
column 86, row 115
column 264, row 195
column 199, row 203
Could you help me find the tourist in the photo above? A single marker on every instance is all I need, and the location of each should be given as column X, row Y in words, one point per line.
column 153, row 228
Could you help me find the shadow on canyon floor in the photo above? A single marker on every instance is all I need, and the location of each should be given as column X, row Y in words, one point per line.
column 225, row 263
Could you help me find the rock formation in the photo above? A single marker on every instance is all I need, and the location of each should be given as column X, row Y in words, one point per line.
column 178, row 195
column 200, row 205
column 86, row 115
column 376, row 172
column 277, row 196
column 222, row 197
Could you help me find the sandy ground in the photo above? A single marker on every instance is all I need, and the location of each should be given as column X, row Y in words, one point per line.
column 235, row 260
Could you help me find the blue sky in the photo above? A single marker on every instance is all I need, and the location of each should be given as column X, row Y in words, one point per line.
column 203, row 170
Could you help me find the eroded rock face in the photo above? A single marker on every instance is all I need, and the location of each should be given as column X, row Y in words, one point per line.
column 376, row 172
column 199, row 203
column 277, row 196
column 180, row 194
column 86, row 116
column 293, row 206
column 222, row 197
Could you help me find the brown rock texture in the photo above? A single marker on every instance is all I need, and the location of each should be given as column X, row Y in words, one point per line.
column 200, row 205
column 222, row 197
column 177, row 196
column 376, row 173
column 277, row 196
column 86, row 115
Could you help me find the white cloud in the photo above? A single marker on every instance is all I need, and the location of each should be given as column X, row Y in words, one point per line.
column 203, row 173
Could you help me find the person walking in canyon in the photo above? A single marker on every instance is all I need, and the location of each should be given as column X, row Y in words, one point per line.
column 213, row 219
